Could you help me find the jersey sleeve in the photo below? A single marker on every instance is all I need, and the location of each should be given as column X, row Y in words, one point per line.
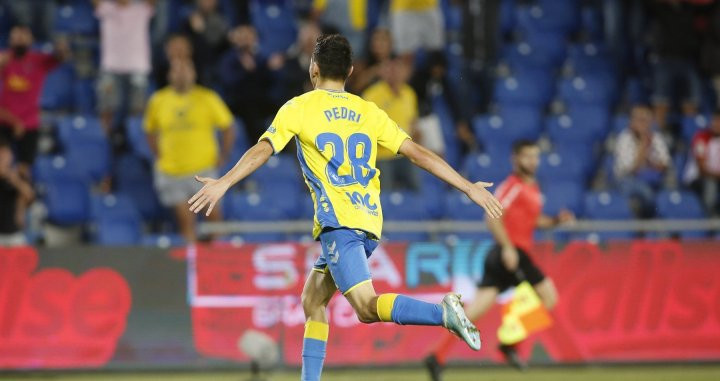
column 390, row 135
column 222, row 117
column 284, row 127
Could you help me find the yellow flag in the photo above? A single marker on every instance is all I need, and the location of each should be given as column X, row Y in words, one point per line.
column 522, row 315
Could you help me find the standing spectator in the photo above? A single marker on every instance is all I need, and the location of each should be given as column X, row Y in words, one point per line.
column 703, row 171
column 246, row 79
column 15, row 195
column 367, row 71
column 177, row 47
column 348, row 17
column 295, row 78
column 180, row 122
column 676, row 45
column 124, row 57
column 207, row 29
column 23, row 72
column 641, row 159
column 394, row 96
column 416, row 24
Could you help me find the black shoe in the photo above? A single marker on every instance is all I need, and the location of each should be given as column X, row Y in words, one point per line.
column 433, row 367
column 512, row 357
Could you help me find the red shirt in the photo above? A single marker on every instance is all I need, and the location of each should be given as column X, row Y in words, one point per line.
column 706, row 148
column 22, row 82
column 522, row 203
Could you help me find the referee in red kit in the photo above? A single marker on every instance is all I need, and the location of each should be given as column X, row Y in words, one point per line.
column 508, row 262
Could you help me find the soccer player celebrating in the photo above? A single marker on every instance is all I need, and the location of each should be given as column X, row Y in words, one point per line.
column 508, row 262
column 337, row 135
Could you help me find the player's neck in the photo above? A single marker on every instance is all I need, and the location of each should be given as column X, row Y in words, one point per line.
column 330, row 84
column 525, row 177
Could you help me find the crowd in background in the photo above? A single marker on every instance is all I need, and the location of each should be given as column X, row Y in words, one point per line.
column 190, row 69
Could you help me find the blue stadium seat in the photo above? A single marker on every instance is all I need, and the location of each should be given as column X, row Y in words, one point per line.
column 596, row 89
column 562, row 195
column 508, row 125
column 580, row 125
column 591, row 23
column 57, row 89
column 507, row 16
column 49, row 167
column 525, row 87
column 133, row 178
column 544, row 50
column 559, row 16
column 404, row 206
column 433, row 191
column 619, row 123
column 67, row 200
column 162, row 240
column 83, row 96
column 280, row 169
column 274, row 21
column 452, row 14
column 265, row 206
column 681, row 205
column 589, row 58
column 485, row 167
column 137, row 139
column 307, row 208
column 692, row 124
column 447, row 123
column 608, row 206
column 86, row 145
column 459, row 207
column 556, row 166
column 75, row 17
column 117, row 223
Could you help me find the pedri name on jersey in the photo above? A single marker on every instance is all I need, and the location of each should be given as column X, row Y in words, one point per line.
column 342, row 113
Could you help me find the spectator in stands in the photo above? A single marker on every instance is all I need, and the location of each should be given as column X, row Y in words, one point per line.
column 181, row 122
column 22, row 73
column 295, row 68
column 124, row 58
column 246, row 80
column 208, row 30
column 710, row 51
column 36, row 14
column 416, row 24
column 348, row 17
column 367, row 71
column 15, row 195
column 393, row 95
column 641, row 160
column 177, row 47
column 676, row 44
column 703, row 171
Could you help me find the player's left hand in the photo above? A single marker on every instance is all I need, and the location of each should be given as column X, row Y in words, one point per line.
column 209, row 195
column 482, row 197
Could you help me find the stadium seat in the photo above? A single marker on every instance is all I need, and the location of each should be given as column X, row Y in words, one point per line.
column 525, row 87
column 273, row 20
column 57, row 89
column 75, row 17
column 543, row 50
column 507, row 16
column 583, row 90
column 556, row 166
column 588, row 59
column 133, row 178
column 692, row 124
column 583, row 125
column 681, row 205
column 137, row 139
column 255, row 206
column 591, row 23
column 67, row 200
column 562, row 195
column 117, row 223
column 485, row 167
column 452, row 14
column 508, row 125
column 85, row 145
column 83, row 96
column 162, row 240
column 49, row 167
column 559, row 16
column 280, row 170
column 607, row 206
column 459, row 207
column 404, row 206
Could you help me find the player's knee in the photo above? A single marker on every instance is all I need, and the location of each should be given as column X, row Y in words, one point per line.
column 366, row 314
column 549, row 300
column 310, row 302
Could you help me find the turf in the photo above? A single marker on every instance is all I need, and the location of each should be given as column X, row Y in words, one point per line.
column 635, row 373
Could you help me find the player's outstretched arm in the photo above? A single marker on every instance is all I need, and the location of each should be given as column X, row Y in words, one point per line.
column 214, row 189
column 429, row 161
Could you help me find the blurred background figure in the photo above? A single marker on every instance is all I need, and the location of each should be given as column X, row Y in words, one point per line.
column 124, row 58
column 703, row 171
column 177, row 47
column 347, row 17
column 181, row 123
column 207, row 30
column 416, row 24
column 294, row 79
column 394, row 96
column 367, row 71
column 16, row 193
column 641, row 160
column 23, row 73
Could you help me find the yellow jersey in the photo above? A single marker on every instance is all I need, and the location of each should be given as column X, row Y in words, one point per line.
column 401, row 107
column 337, row 135
column 412, row 5
column 185, row 126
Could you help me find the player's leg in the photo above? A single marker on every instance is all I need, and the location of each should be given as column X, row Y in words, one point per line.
column 317, row 292
column 547, row 292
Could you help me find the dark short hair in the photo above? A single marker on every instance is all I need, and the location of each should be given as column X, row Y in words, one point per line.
column 520, row 145
column 333, row 55
column 4, row 142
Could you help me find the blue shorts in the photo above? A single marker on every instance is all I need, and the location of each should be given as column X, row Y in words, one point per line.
column 344, row 254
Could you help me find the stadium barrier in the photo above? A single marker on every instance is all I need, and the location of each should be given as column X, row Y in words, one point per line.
column 149, row 308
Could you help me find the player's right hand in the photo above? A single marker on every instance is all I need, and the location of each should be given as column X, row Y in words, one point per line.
column 510, row 258
column 482, row 197
column 209, row 195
